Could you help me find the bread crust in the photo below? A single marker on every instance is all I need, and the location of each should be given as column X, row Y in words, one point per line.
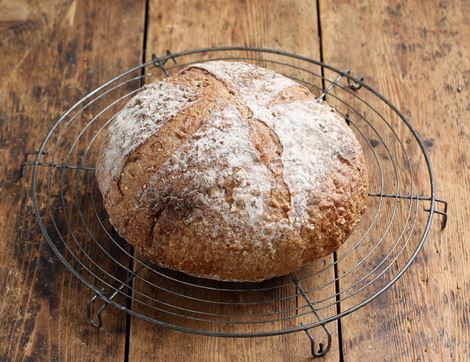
column 232, row 172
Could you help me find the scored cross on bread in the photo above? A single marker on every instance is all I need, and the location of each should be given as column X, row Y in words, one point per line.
column 232, row 172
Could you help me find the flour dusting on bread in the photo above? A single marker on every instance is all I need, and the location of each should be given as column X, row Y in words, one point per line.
column 141, row 118
column 305, row 163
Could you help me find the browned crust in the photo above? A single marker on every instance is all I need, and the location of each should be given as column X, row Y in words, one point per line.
column 168, row 222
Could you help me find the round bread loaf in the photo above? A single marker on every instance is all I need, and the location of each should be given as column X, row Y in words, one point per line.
column 232, row 172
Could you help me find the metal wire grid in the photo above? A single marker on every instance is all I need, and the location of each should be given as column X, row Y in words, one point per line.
column 70, row 213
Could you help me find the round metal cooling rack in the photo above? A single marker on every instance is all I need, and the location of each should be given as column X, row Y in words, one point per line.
column 401, row 206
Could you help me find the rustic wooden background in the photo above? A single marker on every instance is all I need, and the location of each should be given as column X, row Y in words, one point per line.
column 54, row 51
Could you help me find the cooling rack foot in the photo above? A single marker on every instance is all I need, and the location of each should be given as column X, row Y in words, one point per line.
column 438, row 202
column 96, row 320
column 160, row 62
column 28, row 163
column 355, row 85
column 322, row 349
column 442, row 213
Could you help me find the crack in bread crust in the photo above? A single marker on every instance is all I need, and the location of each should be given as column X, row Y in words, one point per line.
column 269, row 150
column 155, row 151
column 267, row 145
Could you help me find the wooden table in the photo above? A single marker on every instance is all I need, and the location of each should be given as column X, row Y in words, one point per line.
column 52, row 52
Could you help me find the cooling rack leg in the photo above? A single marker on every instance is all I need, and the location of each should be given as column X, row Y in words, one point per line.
column 96, row 320
column 418, row 198
column 29, row 163
column 322, row 349
column 160, row 62
column 331, row 86
column 443, row 213
column 354, row 85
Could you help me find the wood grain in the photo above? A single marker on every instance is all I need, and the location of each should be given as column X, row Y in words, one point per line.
column 53, row 52
column 180, row 25
column 418, row 57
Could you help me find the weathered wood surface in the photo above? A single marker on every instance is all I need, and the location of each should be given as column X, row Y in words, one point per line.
column 52, row 52
column 418, row 56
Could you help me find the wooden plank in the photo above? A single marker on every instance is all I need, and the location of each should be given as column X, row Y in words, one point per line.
column 418, row 56
column 178, row 25
column 53, row 52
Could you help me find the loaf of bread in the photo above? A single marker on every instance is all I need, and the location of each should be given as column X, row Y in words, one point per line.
column 230, row 171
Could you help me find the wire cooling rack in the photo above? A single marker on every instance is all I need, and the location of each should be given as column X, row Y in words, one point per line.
column 401, row 205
